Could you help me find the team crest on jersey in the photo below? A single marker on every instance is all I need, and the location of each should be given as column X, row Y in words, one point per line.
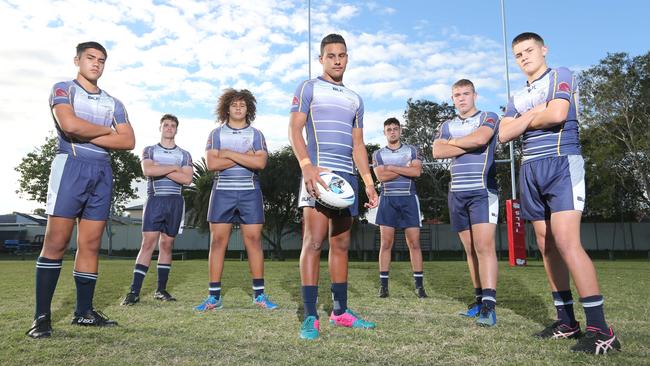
column 60, row 92
column 489, row 121
column 295, row 100
column 564, row 87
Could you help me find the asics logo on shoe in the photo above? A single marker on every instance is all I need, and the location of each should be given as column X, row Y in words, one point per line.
column 603, row 347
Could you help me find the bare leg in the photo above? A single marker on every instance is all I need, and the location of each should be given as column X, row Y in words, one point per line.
column 472, row 259
column 220, row 234
column 253, row 242
column 484, row 247
column 316, row 224
column 413, row 241
column 557, row 272
column 387, row 234
column 149, row 241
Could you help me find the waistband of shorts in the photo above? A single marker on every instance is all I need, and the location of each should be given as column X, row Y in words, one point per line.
column 550, row 157
column 477, row 191
column 106, row 163
column 164, row 196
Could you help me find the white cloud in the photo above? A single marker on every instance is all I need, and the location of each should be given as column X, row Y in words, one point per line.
column 178, row 56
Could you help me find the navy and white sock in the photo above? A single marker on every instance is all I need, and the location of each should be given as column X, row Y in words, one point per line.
column 489, row 298
column 418, row 277
column 593, row 306
column 139, row 272
column 478, row 295
column 47, row 275
column 310, row 298
column 340, row 297
column 383, row 278
column 214, row 289
column 85, row 282
column 163, row 275
column 258, row 287
column 563, row 301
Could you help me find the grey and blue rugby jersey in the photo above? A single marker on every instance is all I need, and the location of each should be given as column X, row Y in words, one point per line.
column 241, row 141
column 474, row 169
column 97, row 108
column 332, row 112
column 163, row 186
column 400, row 186
column 560, row 139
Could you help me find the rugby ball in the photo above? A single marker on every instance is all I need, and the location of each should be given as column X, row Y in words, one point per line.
column 340, row 194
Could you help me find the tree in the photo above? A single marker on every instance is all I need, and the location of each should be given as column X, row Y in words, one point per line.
column 280, row 182
column 35, row 168
column 197, row 196
column 422, row 118
column 615, row 99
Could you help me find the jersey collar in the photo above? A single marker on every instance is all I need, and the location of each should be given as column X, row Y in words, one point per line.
column 470, row 117
column 87, row 92
column 167, row 148
column 393, row 150
column 540, row 77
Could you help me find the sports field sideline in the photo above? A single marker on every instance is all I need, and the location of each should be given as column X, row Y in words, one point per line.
column 410, row 331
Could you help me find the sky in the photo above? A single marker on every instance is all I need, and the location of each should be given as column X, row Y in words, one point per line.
column 178, row 56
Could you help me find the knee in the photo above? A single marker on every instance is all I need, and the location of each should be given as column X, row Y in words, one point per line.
column 339, row 245
column 252, row 239
column 386, row 246
column 313, row 245
column 218, row 242
column 545, row 247
column 414, row 245
column 469, row 250
column 54, row 248
column 88, row 248
column 149, row 245
column 166, row 245
column 484, row 248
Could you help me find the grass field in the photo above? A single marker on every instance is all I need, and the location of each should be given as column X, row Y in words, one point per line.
column 410, row 331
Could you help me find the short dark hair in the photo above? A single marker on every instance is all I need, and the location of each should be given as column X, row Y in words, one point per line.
column 526, row 36
column 81, row 47
column 391, row 121
column 464, row 82
column 170, row 117
column 331, row 38
column 230, row 95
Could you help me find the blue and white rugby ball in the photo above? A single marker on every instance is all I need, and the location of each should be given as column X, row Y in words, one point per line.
column 340, row 194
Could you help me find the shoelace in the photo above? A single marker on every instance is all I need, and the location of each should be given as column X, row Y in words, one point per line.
column 309, row 324
column 99, row 315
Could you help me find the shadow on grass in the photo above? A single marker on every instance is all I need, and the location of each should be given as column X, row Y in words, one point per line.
column 511, row 293
column 292, row 286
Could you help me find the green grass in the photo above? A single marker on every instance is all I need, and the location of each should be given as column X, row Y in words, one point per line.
column 410, row 331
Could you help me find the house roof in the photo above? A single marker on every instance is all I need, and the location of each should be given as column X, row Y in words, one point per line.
column 135, row 208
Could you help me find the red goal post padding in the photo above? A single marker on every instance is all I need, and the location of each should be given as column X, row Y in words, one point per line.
column 516, row 233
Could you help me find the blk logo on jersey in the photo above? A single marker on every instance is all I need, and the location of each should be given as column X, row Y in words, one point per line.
column 564, row 87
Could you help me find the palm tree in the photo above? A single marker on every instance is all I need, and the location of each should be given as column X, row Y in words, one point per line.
column 197, row 196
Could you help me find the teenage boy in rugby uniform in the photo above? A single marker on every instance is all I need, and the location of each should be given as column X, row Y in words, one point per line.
column 332, row 115
column 396, row 166
column 167, row 168
column 545, row 114
column 236, row 152
column 469, row 140
column 89, row 123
